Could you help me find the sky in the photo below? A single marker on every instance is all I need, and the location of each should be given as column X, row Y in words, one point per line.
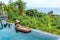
column 39, row 3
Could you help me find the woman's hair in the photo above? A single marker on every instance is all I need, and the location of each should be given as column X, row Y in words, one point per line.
column 16, row 23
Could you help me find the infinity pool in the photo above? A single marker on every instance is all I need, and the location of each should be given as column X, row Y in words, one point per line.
column 10, row 34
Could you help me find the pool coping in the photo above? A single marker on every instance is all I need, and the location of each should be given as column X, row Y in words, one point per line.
column 46, row 33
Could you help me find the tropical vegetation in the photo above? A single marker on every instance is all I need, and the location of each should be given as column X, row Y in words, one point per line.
column 32, row 18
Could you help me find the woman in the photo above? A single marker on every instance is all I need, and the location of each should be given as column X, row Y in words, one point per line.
column 21, row 28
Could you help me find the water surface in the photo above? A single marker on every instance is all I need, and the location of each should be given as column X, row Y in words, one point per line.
column 10, row 34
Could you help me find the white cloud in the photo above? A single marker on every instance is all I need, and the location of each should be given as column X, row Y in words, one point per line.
column 40, row 3
column 6, row 1
column 43, row 3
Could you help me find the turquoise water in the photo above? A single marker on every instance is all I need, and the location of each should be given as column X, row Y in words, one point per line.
column 10, row 34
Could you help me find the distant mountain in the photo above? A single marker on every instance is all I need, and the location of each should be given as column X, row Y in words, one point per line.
column 55, row 10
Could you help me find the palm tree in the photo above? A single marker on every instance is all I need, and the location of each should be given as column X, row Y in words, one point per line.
column 21, row 6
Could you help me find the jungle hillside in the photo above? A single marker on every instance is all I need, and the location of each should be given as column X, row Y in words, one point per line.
column 32, row 18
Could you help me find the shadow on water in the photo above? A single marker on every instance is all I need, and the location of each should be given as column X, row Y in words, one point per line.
column 4, row 26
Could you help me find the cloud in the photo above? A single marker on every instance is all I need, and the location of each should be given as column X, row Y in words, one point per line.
column 42, row 3
column 39, row 3
column 6, row 1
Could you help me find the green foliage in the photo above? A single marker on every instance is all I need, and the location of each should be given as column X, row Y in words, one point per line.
column 32, row 18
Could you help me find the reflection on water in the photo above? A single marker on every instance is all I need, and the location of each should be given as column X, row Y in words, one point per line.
column 4, row 25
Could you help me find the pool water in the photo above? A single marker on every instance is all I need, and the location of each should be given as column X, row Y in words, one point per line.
column 10, row 34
